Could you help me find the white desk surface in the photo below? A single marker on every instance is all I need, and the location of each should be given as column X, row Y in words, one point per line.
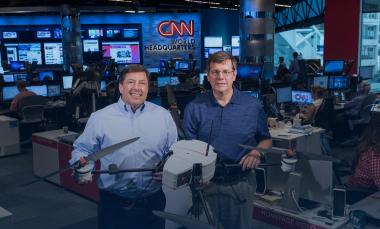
column 53, row 134
column 376, row 108
column 283, row 133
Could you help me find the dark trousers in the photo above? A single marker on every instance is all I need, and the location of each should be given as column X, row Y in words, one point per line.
column 116, row 212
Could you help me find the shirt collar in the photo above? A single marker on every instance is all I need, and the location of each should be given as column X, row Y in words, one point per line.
column 235, row 99
column 126, row 107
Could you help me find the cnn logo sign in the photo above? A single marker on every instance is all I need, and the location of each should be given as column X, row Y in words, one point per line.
column 172, row 28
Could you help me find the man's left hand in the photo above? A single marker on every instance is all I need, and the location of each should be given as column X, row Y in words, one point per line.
column 250, row 160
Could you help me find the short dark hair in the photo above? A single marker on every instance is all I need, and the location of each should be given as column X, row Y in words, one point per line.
column 133, row 68
column 21, row 84
column 220, row 57
column 281, row 59
column 295, row 54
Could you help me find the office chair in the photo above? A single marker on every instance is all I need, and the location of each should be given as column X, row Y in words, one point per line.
column 32, row 112
column 325, row 118
column 358, row 125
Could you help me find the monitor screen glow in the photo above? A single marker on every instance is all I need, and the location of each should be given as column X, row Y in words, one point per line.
column 95, row 33
column 182, row 65
column 248, row 71
column 90, row 46
column 46, row 75
column 17, row 66
column 53, row 53
column 8, row 78
column 9, row 35
column 39, row 89
column 235, row 41
column 213, row 42
column 284, row 94
column 67, row 82
column 53, row 90
column 202, row 77
column 321, row 81
column 30, row 52
column 338, row 82
column 43, row 34
column 123, row 52
column 333, row 66
column 163, row 81
column 9, row 92
column 303, row 97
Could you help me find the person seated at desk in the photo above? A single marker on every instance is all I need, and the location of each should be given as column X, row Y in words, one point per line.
column 15, row 108
column 367, row 163
column 352, row 107
column 308, row 115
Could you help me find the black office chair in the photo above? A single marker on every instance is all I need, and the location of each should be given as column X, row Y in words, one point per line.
column 358, row 125
column 325, row 118
column 33, row 119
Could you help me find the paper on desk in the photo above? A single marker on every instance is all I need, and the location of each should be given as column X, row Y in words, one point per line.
column 370, row 204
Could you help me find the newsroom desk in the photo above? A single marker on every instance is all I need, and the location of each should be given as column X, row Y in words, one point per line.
column 303, row 142
column 50, row 154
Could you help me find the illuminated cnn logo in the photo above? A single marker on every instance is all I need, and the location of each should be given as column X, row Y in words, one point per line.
column 171, row 28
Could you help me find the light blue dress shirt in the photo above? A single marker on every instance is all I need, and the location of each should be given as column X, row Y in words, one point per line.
column 117, row 122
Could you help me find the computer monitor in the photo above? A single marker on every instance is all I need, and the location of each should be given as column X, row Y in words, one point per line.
column 210, row 51
column 321, row 81
column 103, row 85
column 283, row 94
column 202, row 77
column 333, row 67
column 21, row 77
column 235, row 51
column 8, row 78
column 245, row 71
column 53, row 90
column 255, row 93
column 153, row 70
column 67, row 82
column 9, row 92
column 16, row 66
column 182, row 65
column 38, row 89
column 131, row 33
column 303, row 97
column 338, row 82
column 210, row 42
column 45, row 75
column 165, row 80
column 235, row 41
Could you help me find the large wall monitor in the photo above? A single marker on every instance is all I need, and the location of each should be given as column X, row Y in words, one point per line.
column 210, row 42
column 123, row 52
column 30, row 52
column 53, row 53
column 90, row 45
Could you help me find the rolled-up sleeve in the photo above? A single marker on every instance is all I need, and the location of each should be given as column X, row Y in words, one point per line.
column 88, row 142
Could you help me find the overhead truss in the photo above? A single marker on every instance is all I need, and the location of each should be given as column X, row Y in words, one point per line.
column 303, row 13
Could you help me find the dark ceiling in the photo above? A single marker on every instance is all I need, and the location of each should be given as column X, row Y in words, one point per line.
column 187, row 5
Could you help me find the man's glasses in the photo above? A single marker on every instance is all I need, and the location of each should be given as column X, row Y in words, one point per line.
column 224, row 73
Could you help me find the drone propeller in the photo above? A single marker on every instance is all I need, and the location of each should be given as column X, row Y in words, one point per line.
column 93, row 157
column 184, row 220
column 174, row 111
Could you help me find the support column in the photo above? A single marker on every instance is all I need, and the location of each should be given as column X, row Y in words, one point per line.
column 256, row 33
column 71, row 37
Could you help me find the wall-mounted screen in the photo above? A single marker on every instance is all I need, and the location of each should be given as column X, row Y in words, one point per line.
column 131, row 33
column 11, row 52
column 211, row 42
column 338, row 82
column 123, row 52
column 9, row 35
column 9, row 92
column 95, row 33
column 30, row 52
column 53, row 53
column 90, row 46
column 57, row 33
column 43, row 34
column 210, row 51
column 235, row 41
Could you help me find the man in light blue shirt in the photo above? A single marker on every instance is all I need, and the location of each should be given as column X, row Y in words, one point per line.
column 127, row 199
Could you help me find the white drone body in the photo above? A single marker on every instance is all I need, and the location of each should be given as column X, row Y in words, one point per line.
column 178, row 168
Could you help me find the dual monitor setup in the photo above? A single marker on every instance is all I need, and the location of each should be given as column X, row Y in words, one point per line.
column 287, row 95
